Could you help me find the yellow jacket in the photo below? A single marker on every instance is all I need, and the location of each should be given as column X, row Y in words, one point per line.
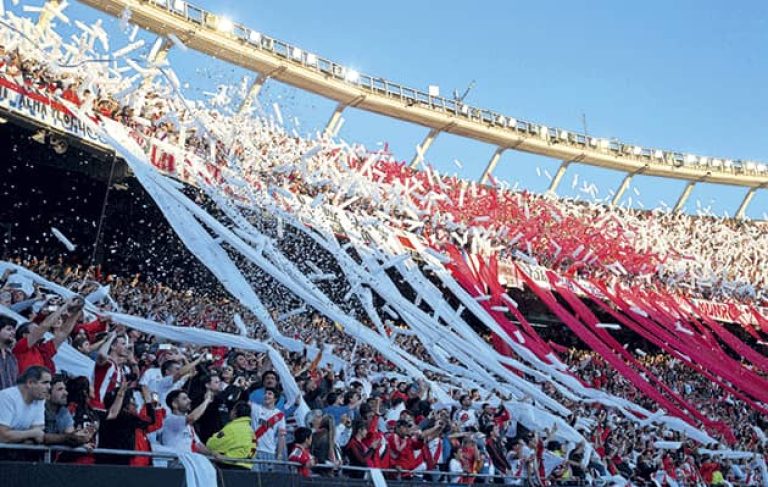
column 235, row 440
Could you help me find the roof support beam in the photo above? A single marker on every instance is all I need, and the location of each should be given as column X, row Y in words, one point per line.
column 558, row 176
column 745, row 203
column 155, row 59
column 46, row 15
column 253, row 93
column 422, row 148
column 684, row 197
column 492, row 165
column 335, row 122
column 622, row 189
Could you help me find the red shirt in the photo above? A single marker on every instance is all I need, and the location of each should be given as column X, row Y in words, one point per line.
column 402, row 451
column 142, row 442
column 380, row 458
column 91, row 329
column 707, row 470
column 302, row 456
column 41, row 353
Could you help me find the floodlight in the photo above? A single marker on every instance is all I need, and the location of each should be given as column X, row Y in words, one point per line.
column 689, row 159
column 254, row 37
column 434, row 90
column 637, row 150
column 296, row 53
column 225, row 25
column 658, row 154
column 179, row 5
column 352, row 76
column 311, row 58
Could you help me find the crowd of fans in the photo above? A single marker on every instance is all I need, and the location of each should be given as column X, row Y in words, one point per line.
column 700, row 256
column 145, row 394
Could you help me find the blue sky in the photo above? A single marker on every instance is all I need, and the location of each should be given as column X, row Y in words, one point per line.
column 685, row 75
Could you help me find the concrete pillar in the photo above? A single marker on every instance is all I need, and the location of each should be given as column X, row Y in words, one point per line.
column 622, row 189
column 684, row 197
column 333, row 126
column 422, row 149
column 745, row 203
column 558, row 176
column 491, row 165
column 253, row 93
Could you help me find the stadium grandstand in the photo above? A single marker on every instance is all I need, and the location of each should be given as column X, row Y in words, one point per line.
column 191, row 294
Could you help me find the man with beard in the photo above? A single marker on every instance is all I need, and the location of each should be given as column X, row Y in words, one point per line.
column 59, row 424
column 178, row 432
column 9, row 367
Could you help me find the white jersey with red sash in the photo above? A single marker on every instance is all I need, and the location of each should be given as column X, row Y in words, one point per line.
column 433, row 453
column 266, row 424
column 107, row 377
column 662, row 478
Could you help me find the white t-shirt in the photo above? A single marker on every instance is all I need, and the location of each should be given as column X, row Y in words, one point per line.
column 465, row 417
column 16, row 414
column 261, row 415
column 160, row 385
column 177, row 434
column 454, row 466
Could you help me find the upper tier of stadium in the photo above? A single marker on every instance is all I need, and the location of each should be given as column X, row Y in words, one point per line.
column 272, row 58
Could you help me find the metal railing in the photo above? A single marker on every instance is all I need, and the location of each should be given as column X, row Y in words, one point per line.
column 400, row 477
column 48, row 453
column 413, row 96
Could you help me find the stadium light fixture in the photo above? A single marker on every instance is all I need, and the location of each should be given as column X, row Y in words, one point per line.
column 433, row 90
column 296, row 53
column 637, row 150
column 352, row 76
column 179, row 5
column 658, row 154
column 225, row 25
column 254, row 37
column 311, row 59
